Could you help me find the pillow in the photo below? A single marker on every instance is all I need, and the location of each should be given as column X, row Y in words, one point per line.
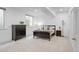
column 45, row 27
column 51, row 28
column 42, row 27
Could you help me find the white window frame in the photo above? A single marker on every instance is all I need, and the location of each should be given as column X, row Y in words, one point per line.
column 2, row 26
column 29, row 18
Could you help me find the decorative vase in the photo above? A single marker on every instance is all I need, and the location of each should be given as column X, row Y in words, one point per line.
column 21, row 22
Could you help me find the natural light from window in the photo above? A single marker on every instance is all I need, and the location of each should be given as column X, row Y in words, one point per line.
column 29, row 20
column 1, row 18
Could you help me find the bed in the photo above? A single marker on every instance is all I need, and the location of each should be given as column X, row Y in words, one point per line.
column 47, row 31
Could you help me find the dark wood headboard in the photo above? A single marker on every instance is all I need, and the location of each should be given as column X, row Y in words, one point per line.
column 54, row 27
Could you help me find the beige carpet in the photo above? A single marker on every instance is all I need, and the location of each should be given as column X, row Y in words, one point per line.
column 57, row 44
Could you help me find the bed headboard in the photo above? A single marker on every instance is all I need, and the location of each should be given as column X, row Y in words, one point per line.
column 52, row 26
column 48, row 27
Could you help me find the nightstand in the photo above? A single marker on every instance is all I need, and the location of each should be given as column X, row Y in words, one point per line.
column 58, row 32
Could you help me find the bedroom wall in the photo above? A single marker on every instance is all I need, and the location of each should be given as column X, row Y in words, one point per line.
column 58, row 22
column 12, row 16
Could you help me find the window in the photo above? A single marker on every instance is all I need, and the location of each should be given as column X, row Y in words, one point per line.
column 29, row 20
column 2, row 18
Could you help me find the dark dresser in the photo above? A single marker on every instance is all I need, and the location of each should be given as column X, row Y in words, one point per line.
column 18, row 32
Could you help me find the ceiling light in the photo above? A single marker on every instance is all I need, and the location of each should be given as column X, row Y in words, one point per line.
column 61, row 10
column 40, row 23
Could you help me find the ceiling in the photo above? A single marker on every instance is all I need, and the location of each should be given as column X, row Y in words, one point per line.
column 51, row 11
column 58, row 10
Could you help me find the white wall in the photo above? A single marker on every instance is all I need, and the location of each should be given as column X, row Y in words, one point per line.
column 58, row 22
column 5, row 35
column 12, row 16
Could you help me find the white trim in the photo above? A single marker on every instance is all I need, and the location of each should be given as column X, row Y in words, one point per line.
column 71, row 10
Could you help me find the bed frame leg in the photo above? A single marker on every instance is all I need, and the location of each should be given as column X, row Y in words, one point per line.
column 49, row 39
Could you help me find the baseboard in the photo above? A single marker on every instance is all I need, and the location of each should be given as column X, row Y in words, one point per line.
column 5, row 42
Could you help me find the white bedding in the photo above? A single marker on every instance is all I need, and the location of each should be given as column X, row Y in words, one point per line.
column 50, row 31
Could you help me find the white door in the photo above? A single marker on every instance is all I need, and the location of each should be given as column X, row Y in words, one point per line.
column 76, row 28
